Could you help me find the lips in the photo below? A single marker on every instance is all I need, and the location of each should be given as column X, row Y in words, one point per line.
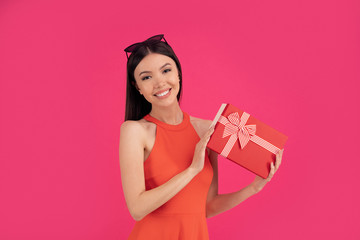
column 162, row 92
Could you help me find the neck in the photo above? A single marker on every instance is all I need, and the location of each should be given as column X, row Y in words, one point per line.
column 171, row 115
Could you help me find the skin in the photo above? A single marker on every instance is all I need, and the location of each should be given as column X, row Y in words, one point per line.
column 156, row 74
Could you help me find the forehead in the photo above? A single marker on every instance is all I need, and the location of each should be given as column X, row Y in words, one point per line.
column 153, row 61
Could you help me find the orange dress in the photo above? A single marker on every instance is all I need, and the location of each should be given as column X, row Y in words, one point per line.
column 183, row 216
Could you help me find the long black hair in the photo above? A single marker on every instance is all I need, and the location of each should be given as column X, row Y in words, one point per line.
column 136, row 105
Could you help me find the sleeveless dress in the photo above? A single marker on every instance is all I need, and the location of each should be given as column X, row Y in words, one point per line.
column 183, row 217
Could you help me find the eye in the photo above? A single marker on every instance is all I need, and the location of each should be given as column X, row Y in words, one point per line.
column 145, row 78
column 167, row 70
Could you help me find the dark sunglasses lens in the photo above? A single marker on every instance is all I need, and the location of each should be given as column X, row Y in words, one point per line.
column 151, row 40
column 132, row 47
column 156, row 38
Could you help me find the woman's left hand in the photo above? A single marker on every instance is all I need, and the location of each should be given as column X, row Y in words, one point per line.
column 260, row 182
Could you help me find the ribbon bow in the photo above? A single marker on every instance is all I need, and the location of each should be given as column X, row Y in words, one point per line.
column 235, row 128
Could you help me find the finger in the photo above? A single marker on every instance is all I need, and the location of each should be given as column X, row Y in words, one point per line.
column 204, row 141
column 211, row 130
column 208, row 134
column 278, row 161
column 272, row 171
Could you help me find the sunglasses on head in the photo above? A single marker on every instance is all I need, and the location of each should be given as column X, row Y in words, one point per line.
column 149, row 41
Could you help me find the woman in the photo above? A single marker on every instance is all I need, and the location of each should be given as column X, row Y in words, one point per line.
column 169, row 177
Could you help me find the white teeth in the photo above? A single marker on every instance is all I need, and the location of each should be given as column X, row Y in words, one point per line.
column 163, row 94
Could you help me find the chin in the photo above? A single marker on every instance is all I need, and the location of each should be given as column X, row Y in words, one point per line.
column 167, row 102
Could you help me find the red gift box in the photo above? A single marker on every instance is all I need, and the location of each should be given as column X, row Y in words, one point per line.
column 243, row 139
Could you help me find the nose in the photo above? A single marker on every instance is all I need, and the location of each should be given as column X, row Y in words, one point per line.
column 160, row 81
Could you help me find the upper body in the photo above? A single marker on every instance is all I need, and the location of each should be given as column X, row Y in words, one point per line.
column 154, row 87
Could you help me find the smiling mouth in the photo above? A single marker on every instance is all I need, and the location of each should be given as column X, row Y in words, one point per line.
column 163, row 93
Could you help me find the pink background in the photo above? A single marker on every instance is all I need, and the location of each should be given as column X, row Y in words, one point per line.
column 292, row 64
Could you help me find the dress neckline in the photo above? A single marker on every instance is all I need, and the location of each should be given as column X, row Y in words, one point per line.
column 182, row 125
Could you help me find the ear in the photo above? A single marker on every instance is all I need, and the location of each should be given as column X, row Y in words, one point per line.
column 136, row 86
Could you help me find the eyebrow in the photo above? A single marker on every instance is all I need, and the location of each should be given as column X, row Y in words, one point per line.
column 159, row 68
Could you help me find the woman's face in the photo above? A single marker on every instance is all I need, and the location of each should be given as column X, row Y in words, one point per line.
column 157, row 79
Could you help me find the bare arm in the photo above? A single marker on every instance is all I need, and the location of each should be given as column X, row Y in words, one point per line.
column 131, row 152
column 218, row 203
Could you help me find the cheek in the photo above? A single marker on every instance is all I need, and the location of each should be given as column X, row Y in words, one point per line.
column 176, row 85
column 175, row 78
column 146, row 87
column 140, row 84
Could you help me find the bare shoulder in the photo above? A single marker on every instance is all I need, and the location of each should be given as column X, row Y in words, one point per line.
column 200, row 125
column 136, row 128
column 131, row 126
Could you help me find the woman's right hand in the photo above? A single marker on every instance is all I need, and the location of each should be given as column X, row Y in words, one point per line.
column 199, row 154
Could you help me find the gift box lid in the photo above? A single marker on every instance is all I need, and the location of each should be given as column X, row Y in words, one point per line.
column 245, row 140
